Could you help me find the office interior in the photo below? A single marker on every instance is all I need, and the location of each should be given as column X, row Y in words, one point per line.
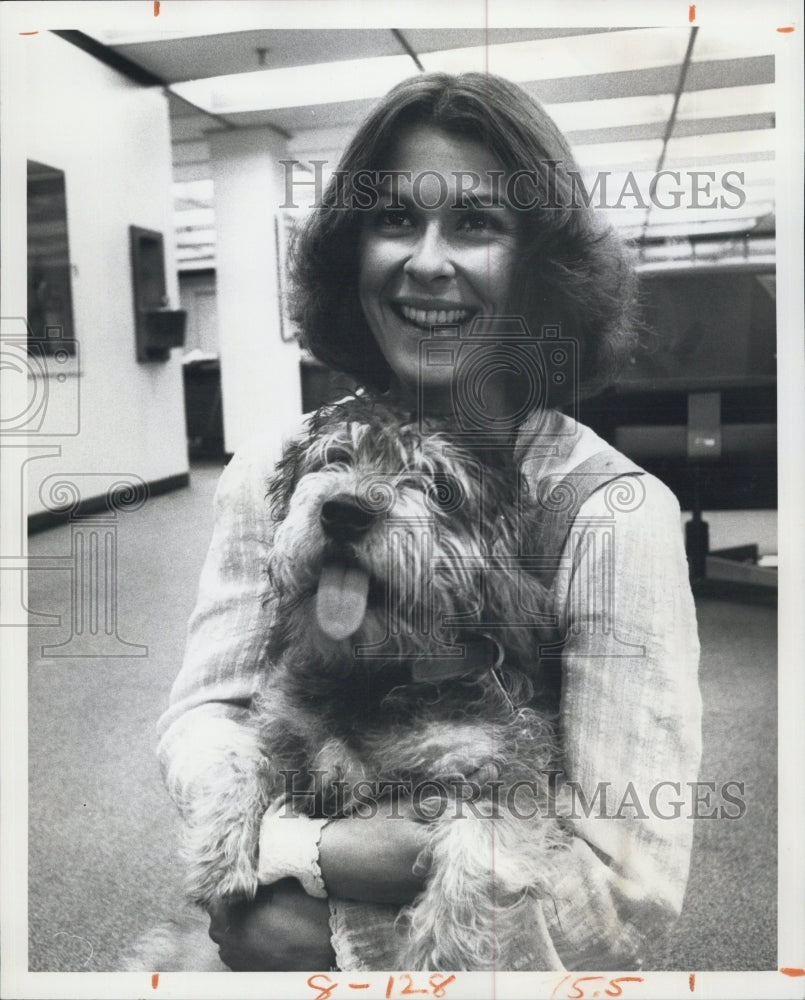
column 157, row 315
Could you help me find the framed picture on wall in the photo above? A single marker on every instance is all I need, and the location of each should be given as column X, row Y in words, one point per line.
column 286, row 226
column 50, row 298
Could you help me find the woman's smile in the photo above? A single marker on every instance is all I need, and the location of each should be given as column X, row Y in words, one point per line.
column 430, row 314
column 431, row 255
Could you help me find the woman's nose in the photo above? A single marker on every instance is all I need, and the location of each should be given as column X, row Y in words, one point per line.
column 430, row 258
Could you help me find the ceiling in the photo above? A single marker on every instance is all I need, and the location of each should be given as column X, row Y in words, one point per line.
column 631, row 101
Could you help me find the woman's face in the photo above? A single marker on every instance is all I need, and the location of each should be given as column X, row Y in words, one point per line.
column 429, row 255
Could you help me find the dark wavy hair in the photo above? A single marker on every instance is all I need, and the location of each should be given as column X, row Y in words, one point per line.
column 572, row 271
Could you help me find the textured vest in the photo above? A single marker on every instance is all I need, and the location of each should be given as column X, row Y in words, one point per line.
column 559, row 499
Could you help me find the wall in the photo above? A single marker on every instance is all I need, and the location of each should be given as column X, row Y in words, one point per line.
column 260, row 378
column 111, row 138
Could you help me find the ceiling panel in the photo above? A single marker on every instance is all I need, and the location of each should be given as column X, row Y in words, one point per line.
column 730, row 73
column 696, row 148
column 239, row 51
column 726, row 101
column 347, row 114
column 729, row 123
column 611, row 112
column 551, row 59
column 191, row 58
column 611, row 92
column 435, row 39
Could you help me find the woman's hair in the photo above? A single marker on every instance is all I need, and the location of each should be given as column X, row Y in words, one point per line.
column 572, row 270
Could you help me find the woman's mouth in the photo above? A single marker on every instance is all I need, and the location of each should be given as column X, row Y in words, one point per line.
column 426, row 319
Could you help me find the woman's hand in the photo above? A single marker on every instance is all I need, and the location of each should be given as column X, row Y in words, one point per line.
column 373, row 859
column 285, row 930
column 281, row 930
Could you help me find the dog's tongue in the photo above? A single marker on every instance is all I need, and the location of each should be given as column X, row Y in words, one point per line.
column 341, row 600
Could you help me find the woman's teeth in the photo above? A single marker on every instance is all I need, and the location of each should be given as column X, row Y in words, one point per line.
column 434, row 317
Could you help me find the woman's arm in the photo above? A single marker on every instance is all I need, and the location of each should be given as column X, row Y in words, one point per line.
column 209, row 751
column 373, row 860
column 630, row 720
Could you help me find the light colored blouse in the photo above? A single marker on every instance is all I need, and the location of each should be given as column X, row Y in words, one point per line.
column 629, row 713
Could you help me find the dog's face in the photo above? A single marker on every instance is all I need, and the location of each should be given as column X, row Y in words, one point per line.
column 386, row 533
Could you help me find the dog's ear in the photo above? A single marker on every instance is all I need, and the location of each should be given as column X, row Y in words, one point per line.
column 286, row 476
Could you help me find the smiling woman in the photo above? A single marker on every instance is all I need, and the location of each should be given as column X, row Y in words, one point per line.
column 479, row 151
column 422, row 267
column 448, row 270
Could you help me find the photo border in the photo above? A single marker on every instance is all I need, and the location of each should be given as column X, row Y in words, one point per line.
column 19, row 18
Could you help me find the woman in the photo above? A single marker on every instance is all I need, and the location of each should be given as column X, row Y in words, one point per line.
column 457, row 199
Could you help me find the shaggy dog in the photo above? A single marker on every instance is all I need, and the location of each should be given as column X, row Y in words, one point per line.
column 404, row 642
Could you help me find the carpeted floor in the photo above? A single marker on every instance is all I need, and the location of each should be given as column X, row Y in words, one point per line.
column 102, row 831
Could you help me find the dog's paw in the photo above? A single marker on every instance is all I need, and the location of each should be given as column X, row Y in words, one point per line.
column 205, row 886
column 221, row 867
column 487, row 877
column 439, row 940
column 222, row 831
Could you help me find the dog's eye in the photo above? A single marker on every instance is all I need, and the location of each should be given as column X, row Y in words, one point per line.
column 336, row 455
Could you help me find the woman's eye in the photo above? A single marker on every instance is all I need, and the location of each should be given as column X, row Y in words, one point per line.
column 476, row 222
column 393, row 218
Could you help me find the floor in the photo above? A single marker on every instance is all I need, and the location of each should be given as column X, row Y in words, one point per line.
column 102, row 831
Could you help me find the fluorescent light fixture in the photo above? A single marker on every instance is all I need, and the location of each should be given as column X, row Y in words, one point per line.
column 643, row 153
column 698, row 147
column 728, row 218
column 297, row 86
column 757, row 175
column 555, row 58
column 197, row 237
column 611, row 112
column 732, row 43
column 729, row 227
column 726, row 101
column 191, row 218
column 624, row 218
column 193, row 190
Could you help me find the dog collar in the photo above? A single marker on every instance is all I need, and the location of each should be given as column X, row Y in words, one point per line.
column 479, row 653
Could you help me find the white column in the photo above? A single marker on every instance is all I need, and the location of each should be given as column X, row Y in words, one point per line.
column 260, row 378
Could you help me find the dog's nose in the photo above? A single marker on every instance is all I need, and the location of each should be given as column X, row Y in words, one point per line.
column 343, row 519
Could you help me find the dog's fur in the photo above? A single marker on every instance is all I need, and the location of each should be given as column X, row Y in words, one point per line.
column 437, row 529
